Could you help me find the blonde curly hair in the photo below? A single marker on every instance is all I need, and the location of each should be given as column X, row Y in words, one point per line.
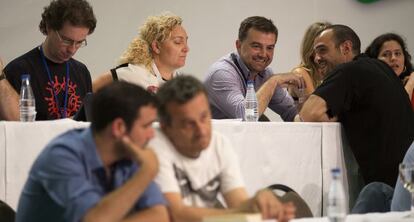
column 156, row 28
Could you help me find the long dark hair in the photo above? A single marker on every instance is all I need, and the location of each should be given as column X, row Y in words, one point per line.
column 374, row 48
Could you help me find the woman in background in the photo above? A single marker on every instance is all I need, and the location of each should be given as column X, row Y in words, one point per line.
column 392, row 49
column 311, row 73
column 154, row 56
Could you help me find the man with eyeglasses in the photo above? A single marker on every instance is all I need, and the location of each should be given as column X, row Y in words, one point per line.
column 59, row 82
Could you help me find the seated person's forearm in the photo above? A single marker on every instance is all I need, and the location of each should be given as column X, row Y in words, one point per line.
column 156, row 213
column 9, row 102
column 264, row 95
column 315, row 110
column 409, row 90
column 196, row 214
column 116, row 205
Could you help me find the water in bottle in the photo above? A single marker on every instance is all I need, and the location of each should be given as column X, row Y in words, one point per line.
column 27, row 103
column 337, row 207
column 251, row 113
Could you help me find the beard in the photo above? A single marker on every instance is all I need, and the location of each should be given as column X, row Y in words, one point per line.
column 123, row 151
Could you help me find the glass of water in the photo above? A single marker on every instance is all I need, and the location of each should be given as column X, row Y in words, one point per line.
column 407, row 179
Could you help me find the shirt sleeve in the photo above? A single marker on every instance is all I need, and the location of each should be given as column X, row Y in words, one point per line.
column 88, row 80
column 401, row 200
column 13, row 74
column 67, row 184
column 336, row 90
column 137, row 75
column 231, row 175
column 166, row 179
column 282, row 103
column 226, row 93
column 151, row 197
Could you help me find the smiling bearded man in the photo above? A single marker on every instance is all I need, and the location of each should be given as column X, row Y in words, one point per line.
column 227, row 78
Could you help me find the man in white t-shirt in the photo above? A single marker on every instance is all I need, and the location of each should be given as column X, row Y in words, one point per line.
column 197, row 165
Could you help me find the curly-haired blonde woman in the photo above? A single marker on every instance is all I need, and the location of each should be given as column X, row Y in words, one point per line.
column 154, row 56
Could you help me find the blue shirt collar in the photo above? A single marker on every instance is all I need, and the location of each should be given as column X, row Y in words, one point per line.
column 92, row 157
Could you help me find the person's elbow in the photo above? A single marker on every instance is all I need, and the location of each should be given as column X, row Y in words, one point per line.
column 93, row 217
column 160, row 214
column 315, row 110
column 177, row 213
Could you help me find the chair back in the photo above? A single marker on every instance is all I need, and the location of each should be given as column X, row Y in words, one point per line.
column 7, row 214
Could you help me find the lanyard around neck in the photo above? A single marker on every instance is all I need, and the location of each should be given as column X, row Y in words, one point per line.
column 62, row 112
column 241, row 73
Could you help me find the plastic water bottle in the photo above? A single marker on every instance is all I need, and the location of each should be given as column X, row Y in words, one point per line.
column 337, row 207
column 27, row 101
column 250, row 104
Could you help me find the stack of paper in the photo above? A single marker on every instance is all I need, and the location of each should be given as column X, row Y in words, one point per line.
column 234, row 218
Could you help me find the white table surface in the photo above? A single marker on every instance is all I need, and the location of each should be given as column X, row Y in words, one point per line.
column 372, row 217
column 299, row 155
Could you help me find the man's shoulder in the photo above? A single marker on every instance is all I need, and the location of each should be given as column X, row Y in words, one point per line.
column 161, row 144
column 220, row 142
column 225, row 64
column 23, row 60
column 360, row 62
column 78, row 64
column 65, row 151
column 70, row 142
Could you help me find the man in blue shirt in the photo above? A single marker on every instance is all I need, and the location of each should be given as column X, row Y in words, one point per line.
column 227, row 78
column 401, row 200
column 101, row 173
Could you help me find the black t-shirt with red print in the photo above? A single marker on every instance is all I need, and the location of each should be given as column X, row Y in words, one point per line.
column 48, row 106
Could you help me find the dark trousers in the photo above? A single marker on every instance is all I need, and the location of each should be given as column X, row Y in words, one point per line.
column 374, row 197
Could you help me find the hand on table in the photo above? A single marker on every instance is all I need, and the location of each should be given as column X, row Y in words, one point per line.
column 266, row 202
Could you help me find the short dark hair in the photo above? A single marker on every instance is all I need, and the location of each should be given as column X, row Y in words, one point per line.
column 76, row 12
column 258, row 23
column 374, row 48
column 180, row 89
column 342, row 33
column 118, row 100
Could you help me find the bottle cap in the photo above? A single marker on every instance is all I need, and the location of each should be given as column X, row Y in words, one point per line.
column 250, row 82
column 25, row 76
column 335, row 171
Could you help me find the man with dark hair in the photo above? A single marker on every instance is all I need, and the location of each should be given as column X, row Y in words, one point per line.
column 227, row 78
column 101, row 173
column 368, row 99
column 198, row 164
column 59, row 82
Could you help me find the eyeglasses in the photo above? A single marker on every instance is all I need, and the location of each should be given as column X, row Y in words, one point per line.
column 70, row 42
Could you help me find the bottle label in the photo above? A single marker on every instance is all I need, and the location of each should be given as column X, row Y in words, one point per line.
column 249, row 112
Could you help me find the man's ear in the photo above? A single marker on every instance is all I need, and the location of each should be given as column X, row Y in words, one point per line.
column 346, row 47
column 238, row 45
column 155, row 47
column 118, row 128
column 48, row 30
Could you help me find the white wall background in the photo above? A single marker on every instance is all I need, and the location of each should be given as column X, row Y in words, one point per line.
column 211, row 25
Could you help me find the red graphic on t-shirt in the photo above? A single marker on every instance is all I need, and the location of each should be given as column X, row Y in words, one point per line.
column 73, row 103
column 152, row 89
